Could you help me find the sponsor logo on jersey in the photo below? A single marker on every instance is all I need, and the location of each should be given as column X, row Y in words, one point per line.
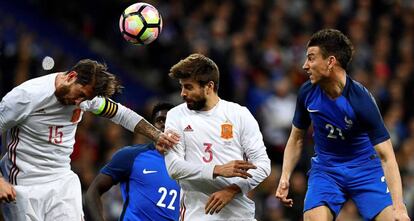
column 145, row 171
column 188, row 129
column 227, row 130
column 312, row 110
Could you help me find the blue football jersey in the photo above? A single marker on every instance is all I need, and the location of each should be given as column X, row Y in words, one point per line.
column 345, row 129
column 148, row 192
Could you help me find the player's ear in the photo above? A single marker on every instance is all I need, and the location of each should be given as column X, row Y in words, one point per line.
column 72, row 76
column 331, row 62
column 210, row 86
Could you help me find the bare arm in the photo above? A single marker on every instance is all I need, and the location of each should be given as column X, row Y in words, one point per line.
column 101, row 184
column 291, row 157
column 392, row 177
column 163, row 140
column 145, row 128
column 130, row 120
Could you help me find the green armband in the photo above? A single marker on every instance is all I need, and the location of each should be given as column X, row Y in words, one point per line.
column 107, row 109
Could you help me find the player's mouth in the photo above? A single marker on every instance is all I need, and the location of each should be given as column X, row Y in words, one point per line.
column 188, row 100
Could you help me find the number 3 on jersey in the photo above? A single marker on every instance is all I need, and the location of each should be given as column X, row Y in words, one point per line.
column 55, row 135
column 207, row 149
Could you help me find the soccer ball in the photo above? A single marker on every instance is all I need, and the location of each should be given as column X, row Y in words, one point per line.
column 140, row 23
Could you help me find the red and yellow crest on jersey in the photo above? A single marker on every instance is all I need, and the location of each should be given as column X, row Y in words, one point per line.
column 227, row 130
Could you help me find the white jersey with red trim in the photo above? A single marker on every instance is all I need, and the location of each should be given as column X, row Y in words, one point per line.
column 41, row 131
column 208, row 138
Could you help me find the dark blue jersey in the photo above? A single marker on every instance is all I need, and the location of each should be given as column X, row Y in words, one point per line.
column 148, row 192
column 345, row 128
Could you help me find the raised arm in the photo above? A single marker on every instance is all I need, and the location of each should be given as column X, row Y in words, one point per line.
column 130, row 120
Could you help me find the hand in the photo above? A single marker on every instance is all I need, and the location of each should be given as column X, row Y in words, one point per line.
column 220, row 199
column 7, row 192
column 282, row 193
column 235, row 168
column 400, row 213
column 167, row 140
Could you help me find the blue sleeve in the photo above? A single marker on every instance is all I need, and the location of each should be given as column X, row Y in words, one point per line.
column 368, row 114
column 301, row 119
column 120, row 166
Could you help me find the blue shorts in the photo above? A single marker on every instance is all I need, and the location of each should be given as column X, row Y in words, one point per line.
column 332, row 186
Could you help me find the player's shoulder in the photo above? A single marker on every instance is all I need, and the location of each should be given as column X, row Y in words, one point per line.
column 39, row 87
column 137, row 148
column 356, row 87
column 306, row 88
column 133, row 150
column 234, row 109
column 179, row 109
column 231, row 105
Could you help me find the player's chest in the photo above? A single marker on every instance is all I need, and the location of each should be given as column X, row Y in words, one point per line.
column 209, row 129
column 55, row 115
column 331, row 114
column 149, row 170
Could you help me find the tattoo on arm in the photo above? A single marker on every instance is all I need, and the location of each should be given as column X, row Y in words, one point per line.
column 145, row 128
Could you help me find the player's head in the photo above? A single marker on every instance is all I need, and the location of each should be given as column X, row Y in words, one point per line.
column 159, row 115
column 86, row 80
column 327, row 49
column 199, row 78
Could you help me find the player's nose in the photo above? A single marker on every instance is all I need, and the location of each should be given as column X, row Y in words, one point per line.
column 305, row 66
column 183, row 93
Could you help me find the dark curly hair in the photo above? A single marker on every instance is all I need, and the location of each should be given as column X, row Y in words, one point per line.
column 333, row 42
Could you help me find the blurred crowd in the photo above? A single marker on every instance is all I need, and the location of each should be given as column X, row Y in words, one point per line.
column 259, row 46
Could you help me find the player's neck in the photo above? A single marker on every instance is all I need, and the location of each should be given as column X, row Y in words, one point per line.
column 211, row 102
column 59, row 80
column 334, row 85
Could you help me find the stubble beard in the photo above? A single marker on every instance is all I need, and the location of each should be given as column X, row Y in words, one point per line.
column 197, row 104
column 61, row 93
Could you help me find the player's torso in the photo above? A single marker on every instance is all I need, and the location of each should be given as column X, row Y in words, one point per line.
column 211, row 137
column 52, row 125
column 39, row 147
column 335, row 124
column 150, row 187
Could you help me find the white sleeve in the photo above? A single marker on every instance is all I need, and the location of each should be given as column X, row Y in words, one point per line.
column 178, row 168
column 14, row 108
column 116, row 112
column 255, row 150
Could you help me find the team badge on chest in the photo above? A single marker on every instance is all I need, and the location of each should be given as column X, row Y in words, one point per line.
column 227, row 130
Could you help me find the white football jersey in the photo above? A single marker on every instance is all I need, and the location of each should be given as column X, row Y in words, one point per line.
column 208, row 138
column 41, row 131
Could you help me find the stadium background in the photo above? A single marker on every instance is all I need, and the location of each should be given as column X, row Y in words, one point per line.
column 259, row 46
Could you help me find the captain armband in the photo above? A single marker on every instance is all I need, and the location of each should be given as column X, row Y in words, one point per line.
column 107, row 109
